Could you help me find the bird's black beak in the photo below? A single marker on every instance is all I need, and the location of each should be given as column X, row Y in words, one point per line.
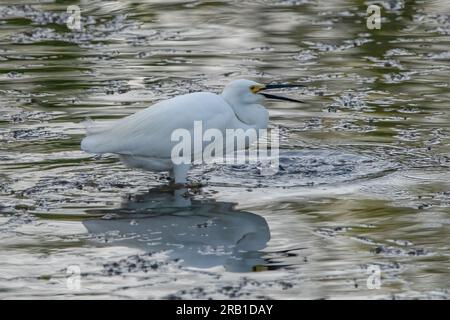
column 279, row 86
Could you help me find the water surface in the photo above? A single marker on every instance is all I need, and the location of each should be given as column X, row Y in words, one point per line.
column 364, row 175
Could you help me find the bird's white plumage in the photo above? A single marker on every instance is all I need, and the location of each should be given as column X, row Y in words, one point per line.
column 143, row 139
column 147, row 133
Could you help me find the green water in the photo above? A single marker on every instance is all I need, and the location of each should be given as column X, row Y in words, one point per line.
column 365, row 179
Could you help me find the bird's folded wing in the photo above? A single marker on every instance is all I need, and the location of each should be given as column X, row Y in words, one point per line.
column 148, row 132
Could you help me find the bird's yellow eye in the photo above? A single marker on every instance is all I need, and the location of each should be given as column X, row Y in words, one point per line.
column 256, row 88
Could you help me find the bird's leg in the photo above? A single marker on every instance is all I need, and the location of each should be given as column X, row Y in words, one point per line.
column 171, row 176
column 180, row 172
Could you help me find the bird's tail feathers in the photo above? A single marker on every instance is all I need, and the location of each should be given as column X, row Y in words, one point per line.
column 93, row 141
column 93, row 127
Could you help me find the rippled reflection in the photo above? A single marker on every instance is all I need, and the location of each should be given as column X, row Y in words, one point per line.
column 202, row 233
column 364, row 176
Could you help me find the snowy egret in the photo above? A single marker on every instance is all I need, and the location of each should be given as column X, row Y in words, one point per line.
column 143, row 139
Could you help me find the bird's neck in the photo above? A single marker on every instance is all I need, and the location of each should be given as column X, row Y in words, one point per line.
column 253, row 115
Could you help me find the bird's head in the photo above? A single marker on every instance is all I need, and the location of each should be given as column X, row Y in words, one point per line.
column 250, row 92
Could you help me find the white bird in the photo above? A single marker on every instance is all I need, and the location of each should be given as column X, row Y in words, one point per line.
column 143, row 140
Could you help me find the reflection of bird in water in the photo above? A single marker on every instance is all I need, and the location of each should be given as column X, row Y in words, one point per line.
column 203, row 233
column 144, row 139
